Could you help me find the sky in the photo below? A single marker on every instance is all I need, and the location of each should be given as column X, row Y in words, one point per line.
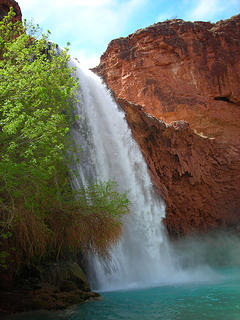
column 89, row 25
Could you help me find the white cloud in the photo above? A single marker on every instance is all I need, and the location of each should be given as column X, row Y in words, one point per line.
column 209, row 9
column 206, row 8
column 85, row 3
column 87, row 24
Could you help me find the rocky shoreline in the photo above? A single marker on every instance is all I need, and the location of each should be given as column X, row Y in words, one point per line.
column 50, row 287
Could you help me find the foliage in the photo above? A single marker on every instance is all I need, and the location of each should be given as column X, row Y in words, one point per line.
column 92, row 221
column 39, row 212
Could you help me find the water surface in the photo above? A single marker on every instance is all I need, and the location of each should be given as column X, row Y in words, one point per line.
column 197, row 301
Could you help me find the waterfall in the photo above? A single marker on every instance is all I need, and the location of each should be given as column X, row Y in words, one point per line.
column 142, row 257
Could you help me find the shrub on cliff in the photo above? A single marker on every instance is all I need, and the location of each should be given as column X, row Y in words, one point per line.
column 40, row 215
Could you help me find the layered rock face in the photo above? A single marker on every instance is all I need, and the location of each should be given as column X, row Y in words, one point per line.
column 179, row 84
column 5, row 6
column 196, row 177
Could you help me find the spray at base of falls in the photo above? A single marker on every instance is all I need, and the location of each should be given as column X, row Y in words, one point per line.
column 142, row 257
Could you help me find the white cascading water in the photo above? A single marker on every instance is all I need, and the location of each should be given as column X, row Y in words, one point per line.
column 142, row 257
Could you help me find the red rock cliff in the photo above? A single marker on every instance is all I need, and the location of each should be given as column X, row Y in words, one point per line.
column 188, row 73
column 5, row 6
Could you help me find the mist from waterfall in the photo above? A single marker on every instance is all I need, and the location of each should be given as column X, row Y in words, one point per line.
column 107, row 151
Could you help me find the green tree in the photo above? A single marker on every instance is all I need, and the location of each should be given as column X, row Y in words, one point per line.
column 40, row 214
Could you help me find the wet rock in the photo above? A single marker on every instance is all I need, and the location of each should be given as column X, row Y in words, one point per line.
column 55, row 285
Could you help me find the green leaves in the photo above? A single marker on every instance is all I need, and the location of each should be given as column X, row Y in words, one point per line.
column 36, row 93
column 36, row 97
column 103, row 197
column 38, row 207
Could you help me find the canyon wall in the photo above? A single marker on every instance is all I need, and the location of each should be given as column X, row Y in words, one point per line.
column 179, row 85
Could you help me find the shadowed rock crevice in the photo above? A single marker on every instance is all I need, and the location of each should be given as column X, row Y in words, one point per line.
column 226, row 99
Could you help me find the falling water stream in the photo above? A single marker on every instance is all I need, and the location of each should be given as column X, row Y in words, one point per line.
column 110, row 153
column 142, row 257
